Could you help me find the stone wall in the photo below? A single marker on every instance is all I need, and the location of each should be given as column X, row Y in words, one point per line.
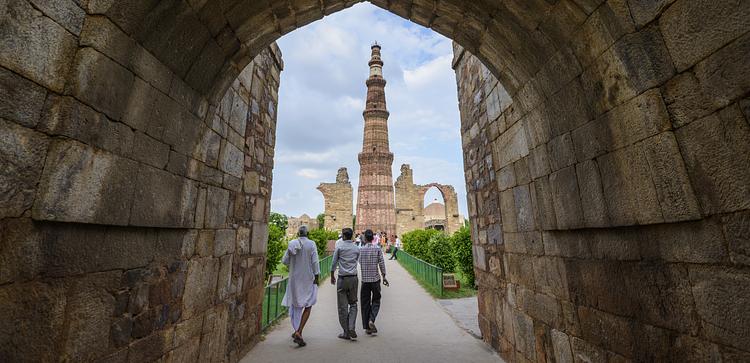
column 338, row 202
column 609, row 196
column 294, row 223
column 104, row 107
column 133, row 210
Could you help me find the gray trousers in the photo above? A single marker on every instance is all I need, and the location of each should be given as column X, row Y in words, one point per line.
column 346, row 298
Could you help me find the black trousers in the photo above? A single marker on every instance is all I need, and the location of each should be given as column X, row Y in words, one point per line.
column 370, row 299
column 394, row 253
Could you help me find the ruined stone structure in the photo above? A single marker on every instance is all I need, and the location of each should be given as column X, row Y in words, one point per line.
column 338, row 202
column 293, row 224
column 607, row 174
column 410, row 203
column 375, row 203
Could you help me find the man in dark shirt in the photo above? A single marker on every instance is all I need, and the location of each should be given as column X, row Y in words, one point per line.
column 370, row 260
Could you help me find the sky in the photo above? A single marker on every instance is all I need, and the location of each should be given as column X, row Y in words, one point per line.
column 321, row 99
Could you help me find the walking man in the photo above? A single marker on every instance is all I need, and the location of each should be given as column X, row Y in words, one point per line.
column 370, row 260
column 345, row 259
column 302, row 290
column 396, row 247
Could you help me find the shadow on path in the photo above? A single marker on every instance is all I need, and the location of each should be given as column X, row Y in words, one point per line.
column 412, row 328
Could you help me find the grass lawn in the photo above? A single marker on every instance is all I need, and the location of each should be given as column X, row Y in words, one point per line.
column 275, row 309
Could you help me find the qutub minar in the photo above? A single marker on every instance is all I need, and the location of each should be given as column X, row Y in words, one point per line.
column 375, row 199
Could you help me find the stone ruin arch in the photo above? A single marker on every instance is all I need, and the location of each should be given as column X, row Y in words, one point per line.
column 338, row 201
column 589, row 127
column 450, row 198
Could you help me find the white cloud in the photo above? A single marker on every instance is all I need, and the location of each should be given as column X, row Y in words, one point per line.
column 427, row 74
column 311, row 173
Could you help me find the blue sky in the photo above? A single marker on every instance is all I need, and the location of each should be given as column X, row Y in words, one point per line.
column 321, row 99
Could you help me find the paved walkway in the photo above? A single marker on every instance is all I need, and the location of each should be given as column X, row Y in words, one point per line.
column 412, row 328
column 464, row 311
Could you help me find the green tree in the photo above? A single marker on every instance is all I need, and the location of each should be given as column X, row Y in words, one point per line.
column 440, row 252
column 415, row 242
column 321, row 221
column 321, row 237
column 461, row 241
column 276, row 246
column 279, row 220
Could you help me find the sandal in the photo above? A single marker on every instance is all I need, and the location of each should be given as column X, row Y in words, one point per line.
column 298, row 339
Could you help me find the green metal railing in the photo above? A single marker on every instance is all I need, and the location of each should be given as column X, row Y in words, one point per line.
column 429, row 274
column 274, row 294
column 325, row 266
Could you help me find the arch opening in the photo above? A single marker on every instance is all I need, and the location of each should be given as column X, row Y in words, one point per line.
column 597, row 174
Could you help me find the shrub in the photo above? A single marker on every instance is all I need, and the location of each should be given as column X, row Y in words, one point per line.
column 461, row 243
column 276, row 246
column 280, row 220
column 321, row 238
column 440, row 252
column 415, row 242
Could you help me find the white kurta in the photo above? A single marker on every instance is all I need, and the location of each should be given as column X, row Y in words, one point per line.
column 302, row 258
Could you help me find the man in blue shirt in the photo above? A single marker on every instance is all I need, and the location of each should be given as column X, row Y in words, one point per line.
column 345, row 258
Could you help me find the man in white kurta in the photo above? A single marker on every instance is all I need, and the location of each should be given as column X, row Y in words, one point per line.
column 302, row 289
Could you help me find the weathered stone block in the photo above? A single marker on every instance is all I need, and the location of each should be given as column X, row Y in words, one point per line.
column 224, row 287
column 602, row 28
column 200, row 285
column 565, row 244
column 643, row 11
column 101, row 83
column 238, row 116
column 645, row 58
column 162, row 199
column 606, row 330
column 66, row 13
column 561, row 152
column 592, row 197
column 506, row 178
column 510, row 146
column 205, row 243
column 629, row 191
column 69, row 117
column 20, row 99
column 523, row 209
column 46, row 303
column 550, row 276
column 21, row 256
column 561, row 346
column 177, row 163
column 670, row 178
column 259, row 237
column 541, row 201
column 83, row 184
column 539, row 162
column 231, row 159
column 243, row 240
column 34, row 46
column 208, row 149
column 721, row 297
column 737, row 233
column 22, row 155
column 715, row 150
column 566, row 199
column 217, row 205
column 686, row 99
column 508, row 211
column 150, row 151
column 694, row 29
column 523, row 329
column 224, row 242
column 90, row 303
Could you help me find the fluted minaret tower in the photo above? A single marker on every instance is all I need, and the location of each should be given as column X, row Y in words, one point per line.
column 375, row 200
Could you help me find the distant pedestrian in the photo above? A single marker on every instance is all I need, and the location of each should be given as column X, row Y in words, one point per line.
column 345, row 258
column 396, row 247
column 301, row 256
column 370, row 260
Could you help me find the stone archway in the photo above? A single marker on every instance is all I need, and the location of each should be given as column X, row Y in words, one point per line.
column 450, row 198
column 621, row 161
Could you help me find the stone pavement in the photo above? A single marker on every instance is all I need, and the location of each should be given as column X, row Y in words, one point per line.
column 464, row 311
column 412, row 328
